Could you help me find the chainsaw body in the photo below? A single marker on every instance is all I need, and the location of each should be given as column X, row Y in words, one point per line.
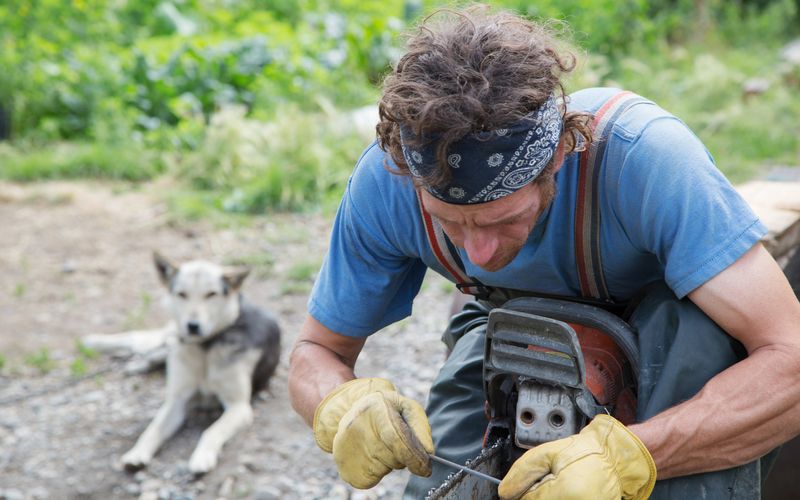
column 550, row 366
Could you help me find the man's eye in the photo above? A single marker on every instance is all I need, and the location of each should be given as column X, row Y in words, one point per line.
column 211, row 295
column 182, row 295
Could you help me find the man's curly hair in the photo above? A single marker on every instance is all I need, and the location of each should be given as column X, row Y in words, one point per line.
column 468, row 71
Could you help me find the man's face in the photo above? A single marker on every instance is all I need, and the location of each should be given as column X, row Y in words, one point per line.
column 493, row 233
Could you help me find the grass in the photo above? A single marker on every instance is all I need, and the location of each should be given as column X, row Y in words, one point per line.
column 40, row 360
column 302, row 271
column 260, row 263
column 85, row 352
column 80, row 364
column 77, row 160
column 2, row 362
column 704, row 86
column 299, row 277
column 193, row 205
column 298, row 160
column 295, row 288
column 78, row 367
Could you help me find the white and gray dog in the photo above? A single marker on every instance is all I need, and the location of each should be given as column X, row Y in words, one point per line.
column 217, row 344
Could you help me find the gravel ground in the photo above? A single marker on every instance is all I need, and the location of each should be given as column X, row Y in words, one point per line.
column 76, row 259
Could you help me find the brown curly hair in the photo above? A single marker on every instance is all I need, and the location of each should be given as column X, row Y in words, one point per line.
column 473, row 70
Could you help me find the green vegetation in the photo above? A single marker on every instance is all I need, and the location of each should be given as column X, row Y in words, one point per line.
column 85, row 352
column 78, row 159
column 299, row 277
column 259, row 263
column 706, row 90
column 246, row 103
column 78, row 367
column 302, row 271
column 41, row 360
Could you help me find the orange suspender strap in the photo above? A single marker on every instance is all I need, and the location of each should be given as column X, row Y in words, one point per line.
column 587, row 212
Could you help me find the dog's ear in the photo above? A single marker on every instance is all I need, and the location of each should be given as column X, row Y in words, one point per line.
column 234, row 276
column 166, row 269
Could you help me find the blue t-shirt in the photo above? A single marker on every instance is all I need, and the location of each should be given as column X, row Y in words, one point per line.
column 667, row 214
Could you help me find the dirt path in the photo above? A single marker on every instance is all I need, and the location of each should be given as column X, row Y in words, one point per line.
column 76, row 259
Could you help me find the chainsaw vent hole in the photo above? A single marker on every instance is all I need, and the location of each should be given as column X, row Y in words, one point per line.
column 527, row 417
column 556, row 419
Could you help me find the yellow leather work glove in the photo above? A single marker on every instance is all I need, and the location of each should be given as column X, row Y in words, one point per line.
column 371, row 430
column 605, row 461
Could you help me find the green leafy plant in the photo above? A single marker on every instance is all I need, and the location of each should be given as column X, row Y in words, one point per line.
column 41, row 360
column 135, row 90
column 78, row 367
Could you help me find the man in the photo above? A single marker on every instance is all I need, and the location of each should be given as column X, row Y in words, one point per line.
column 474, row 133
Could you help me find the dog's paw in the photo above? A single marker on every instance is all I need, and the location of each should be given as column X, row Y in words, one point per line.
column 202, row 461
column 135, row 459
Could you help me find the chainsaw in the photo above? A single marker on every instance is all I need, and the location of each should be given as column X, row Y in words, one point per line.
column 550, row 366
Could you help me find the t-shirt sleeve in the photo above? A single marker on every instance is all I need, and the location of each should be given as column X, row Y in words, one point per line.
column 674, row 203
column 366, row 282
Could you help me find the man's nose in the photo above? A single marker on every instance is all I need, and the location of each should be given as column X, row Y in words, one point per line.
column 481, row 245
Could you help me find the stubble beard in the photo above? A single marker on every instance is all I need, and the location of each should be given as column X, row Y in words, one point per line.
column 547, row 187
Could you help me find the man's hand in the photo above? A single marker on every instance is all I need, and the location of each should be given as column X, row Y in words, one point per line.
column 605, row 461
column 372, row 429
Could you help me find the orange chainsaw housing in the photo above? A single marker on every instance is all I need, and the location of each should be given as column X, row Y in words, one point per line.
column 608, row 373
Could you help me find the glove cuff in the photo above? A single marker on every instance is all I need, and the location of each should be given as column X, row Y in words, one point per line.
column 637, row 470
column 333, row 407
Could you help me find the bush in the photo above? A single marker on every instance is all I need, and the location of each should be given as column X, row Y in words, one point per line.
column 297, row 160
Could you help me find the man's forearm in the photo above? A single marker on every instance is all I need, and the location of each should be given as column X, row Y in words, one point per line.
column 313, row 372
column 740, row 415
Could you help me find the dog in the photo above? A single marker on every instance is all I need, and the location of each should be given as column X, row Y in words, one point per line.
column 217, row 344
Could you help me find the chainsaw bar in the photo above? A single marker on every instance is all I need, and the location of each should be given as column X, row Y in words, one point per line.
column 463, row 486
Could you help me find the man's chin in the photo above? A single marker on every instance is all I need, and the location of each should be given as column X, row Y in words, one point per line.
column 491, row 267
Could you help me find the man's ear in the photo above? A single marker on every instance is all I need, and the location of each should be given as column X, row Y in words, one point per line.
column 166, row 269
column 234, row 276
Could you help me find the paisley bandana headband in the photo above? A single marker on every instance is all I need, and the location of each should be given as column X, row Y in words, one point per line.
column 489, row 165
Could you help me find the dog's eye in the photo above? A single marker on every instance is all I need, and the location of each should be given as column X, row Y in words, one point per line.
column 211, row 295
column 182, row 295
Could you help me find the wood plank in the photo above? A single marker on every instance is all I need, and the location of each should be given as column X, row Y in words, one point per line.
column 784, row 195
column 777, row 204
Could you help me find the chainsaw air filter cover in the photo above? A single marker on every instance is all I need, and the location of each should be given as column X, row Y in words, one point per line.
column 535, row 369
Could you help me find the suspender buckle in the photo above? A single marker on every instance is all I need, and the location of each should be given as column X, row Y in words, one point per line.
column 476, row 289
